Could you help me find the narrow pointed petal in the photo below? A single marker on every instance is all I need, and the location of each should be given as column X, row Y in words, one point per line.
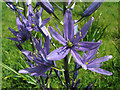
column 24, row 20
column 39, row 47
column 68, row 27
column 101, row 71
column 86, row 46
column 47, row 45
column 19, row 24
column 72, row 7
column 13, row 31
column 78, row 58
column 75, row 29
column 99, row 60
column 30, row 13
column 38, row 19
column 58, row 54
column 14, row 39
column 58, row 29
column 28, row 2
column 37, row 71
column 69, row 2
column 45, row 4
column 57, row 36
column 83, row 31
column 94, row 65
column 45, row 21
column 46, row 32
column 23, row 71
column 27, row 54
column 91, row 54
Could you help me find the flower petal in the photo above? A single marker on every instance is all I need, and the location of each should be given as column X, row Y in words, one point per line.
column 91, row 54
column 45, row 21
column 57, row 36
column 75, row 29
column 58, row 29
column 101, row 71
column 68, row 27
column 19, row 24
column 30, row 13
column 99, row 60
column 78, row 58
column 14, row 39
column 45, row 4
column 83, row 31
column 86, row 46
column 47, row 45
column 46, row 32
column 24, row 20
column 27, row 54
column 37, row 71
column 58, row 54
column 13, row 31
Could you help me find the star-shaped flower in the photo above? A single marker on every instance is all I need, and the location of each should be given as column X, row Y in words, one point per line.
column 22, row 34
column 70, row 41
column 92, row 63
column 42, row 64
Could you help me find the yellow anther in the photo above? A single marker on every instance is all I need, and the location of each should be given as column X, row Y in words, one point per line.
column 32, row 58
column 80, row 34
column 69, row 44
column 33, row 25
column 86, row 63
column 74, row 36
column 79, row 44
column 35, row 54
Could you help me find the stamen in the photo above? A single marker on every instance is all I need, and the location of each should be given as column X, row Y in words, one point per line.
column 86, row 63
column 74, row 36
column 79, row 44
column 80, row 34
column 69, row 44
column 33, row 25
column 35, row 55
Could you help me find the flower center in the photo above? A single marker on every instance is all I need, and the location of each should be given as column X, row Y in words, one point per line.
column 69, row 44
column 33, row 25
column 86, row 63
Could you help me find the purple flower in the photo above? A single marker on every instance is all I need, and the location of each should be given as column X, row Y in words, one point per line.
column 30, row 24
column 45, row 4
column 69, row 2
column 41, row 24
column 42, row 64
column 22, row 35
column 92, row 8
column 70, row 41
column 92, row 63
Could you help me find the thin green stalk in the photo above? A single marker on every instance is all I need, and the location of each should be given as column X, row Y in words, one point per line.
column 66, row 72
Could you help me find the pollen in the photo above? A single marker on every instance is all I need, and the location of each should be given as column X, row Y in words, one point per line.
column 86, row 63
column 35, row 55
column 80, row 34
column 74, row 36
column 69, row 44
column 79, row 44
column 33, row 25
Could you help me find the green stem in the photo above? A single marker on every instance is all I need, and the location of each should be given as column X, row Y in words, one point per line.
column 66, row 72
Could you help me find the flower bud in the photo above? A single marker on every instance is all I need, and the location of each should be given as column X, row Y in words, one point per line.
column 45, row 4
column 92, row 8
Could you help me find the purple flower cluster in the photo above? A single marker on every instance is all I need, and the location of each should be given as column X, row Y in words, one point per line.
column 41, row 60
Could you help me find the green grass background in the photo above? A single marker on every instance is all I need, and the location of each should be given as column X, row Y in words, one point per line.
column 11, row 56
